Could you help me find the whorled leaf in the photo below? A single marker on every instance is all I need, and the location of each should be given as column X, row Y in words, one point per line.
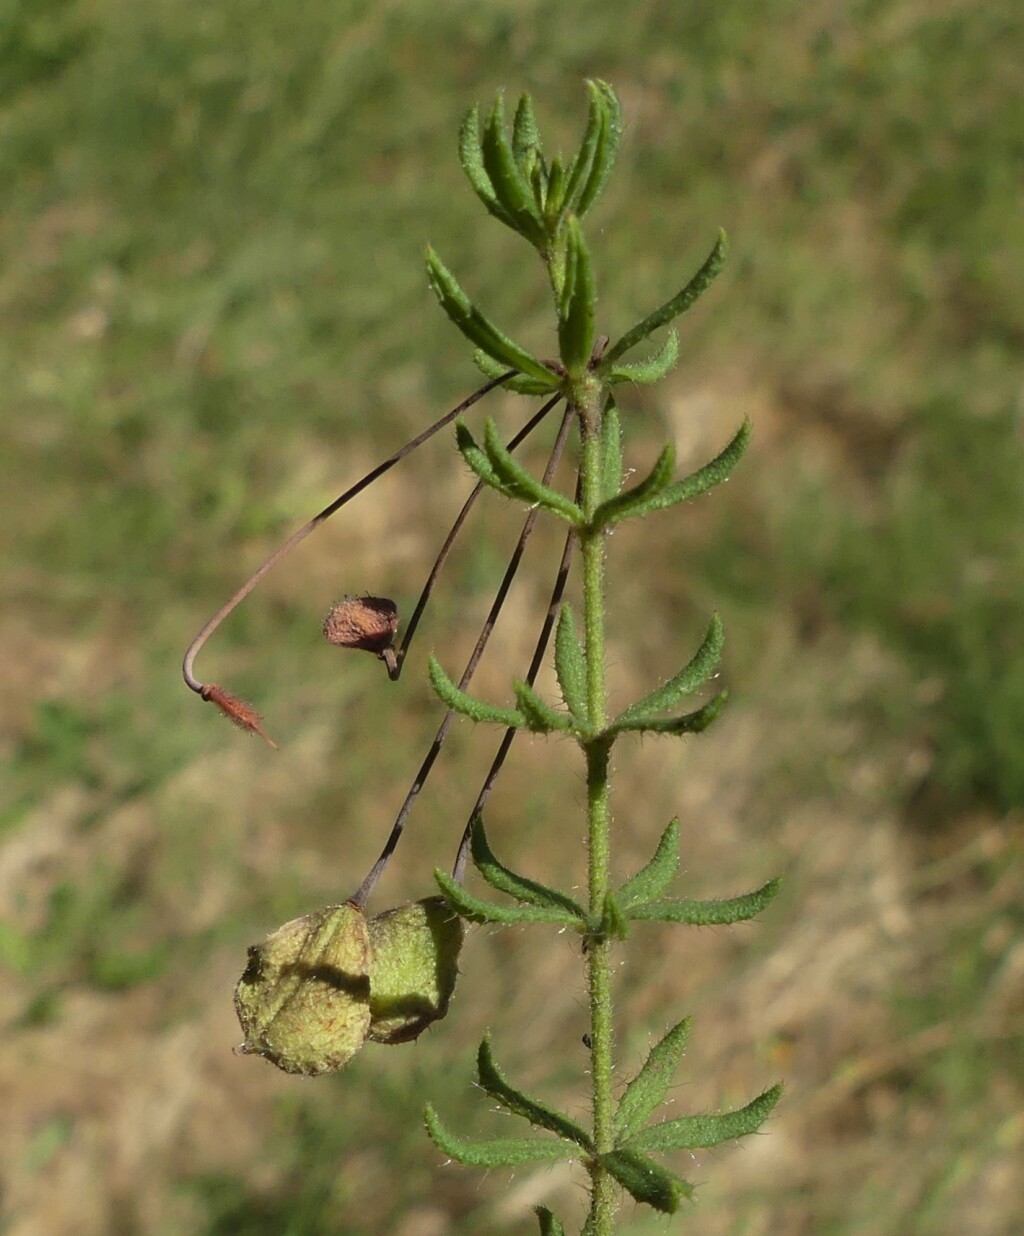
column 698, row 671
column 538, row 714
column 649, row 371
column 502, row 878
column 671, row 308
column 611, row 451
column 623, row 505
column 511, row 186
column 699, row 482
column 689, row 723
column 646, row 1180
column 462, row 702
column 570, row 666
column 472, row 160
column 648, row 1089
column 652, row 880
column 710, row 913
column 526, row 145
column 539, row 1114
column 478, row 910
column 496, row 1152
column 549, row 1225
column 576, row 318
column 697, row 1132
column 519, row 383
column 519, row 483
column 581, row 166
column 478, row 328
column 608, row 139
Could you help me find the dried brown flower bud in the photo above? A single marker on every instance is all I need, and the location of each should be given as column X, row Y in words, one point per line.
column 369, row 623
column 304, row 999
column 415, row 964
column 237, row 710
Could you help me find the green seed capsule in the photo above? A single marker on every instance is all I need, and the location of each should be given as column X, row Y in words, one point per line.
column 415, row 964
column 304, row 999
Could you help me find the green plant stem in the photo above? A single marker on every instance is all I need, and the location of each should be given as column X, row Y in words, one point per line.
column 592, row 548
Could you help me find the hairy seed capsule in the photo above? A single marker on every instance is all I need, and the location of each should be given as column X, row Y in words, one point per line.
column 304, row 999
column 369, row 623
column 415, row 964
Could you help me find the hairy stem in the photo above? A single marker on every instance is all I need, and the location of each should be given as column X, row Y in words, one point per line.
column 592, row 549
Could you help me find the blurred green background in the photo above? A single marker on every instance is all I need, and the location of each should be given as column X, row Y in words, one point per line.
column 215, row 317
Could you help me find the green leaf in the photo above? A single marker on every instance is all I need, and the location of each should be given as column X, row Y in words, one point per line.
column 461, row 702
column 607, row 148
column 507, row 881
column 652, row 880
column 538, row 714
column 693, row 676
column 646, row 1180
column 479, row 329
column 576, row 319
column 520, row 1104
column 613, row 922
column 499, row 1152
column 674, row 307
column 477, row 910
column 697, row 1132
column 625, row 504
column 519, row 383
column 689, row 723
column 708, row 913
column 570, row 667
column 611, row 451
column 703, row 479
column 554, row 196
column 525, row 135
column 521, row 484
column 549, row 1225
column 648, row 1089
column 646, row 372
column 580, row 168
column 471, row 158
column 511, row 187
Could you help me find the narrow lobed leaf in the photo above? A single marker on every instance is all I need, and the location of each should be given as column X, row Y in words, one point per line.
column 507, row 881
column 699, row 482
column 519, row 1104
column 478, row 910
column 570, row 666
column 498, row 1152
column 698, row 1132
column 607, row 148
column 525, row 135
column 627, row 503
column 690, row 678
column 708, row 913
column 646, row 1180
column 689, row 723
column 611, row 451
column 576, row 321
column 614, row 924
column 647, row 1090
column 549, row 1225
column 646, row 372
column 538, row 714
column 511, row 187
column 523, row 484
column 479, row 329
column 519, row 383
column 652, row 880
column 462, row 702
column 677, row 305
column 579, row 169
column 471, row 158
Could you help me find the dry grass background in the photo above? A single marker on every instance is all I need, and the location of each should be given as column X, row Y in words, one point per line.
column 214, row 318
